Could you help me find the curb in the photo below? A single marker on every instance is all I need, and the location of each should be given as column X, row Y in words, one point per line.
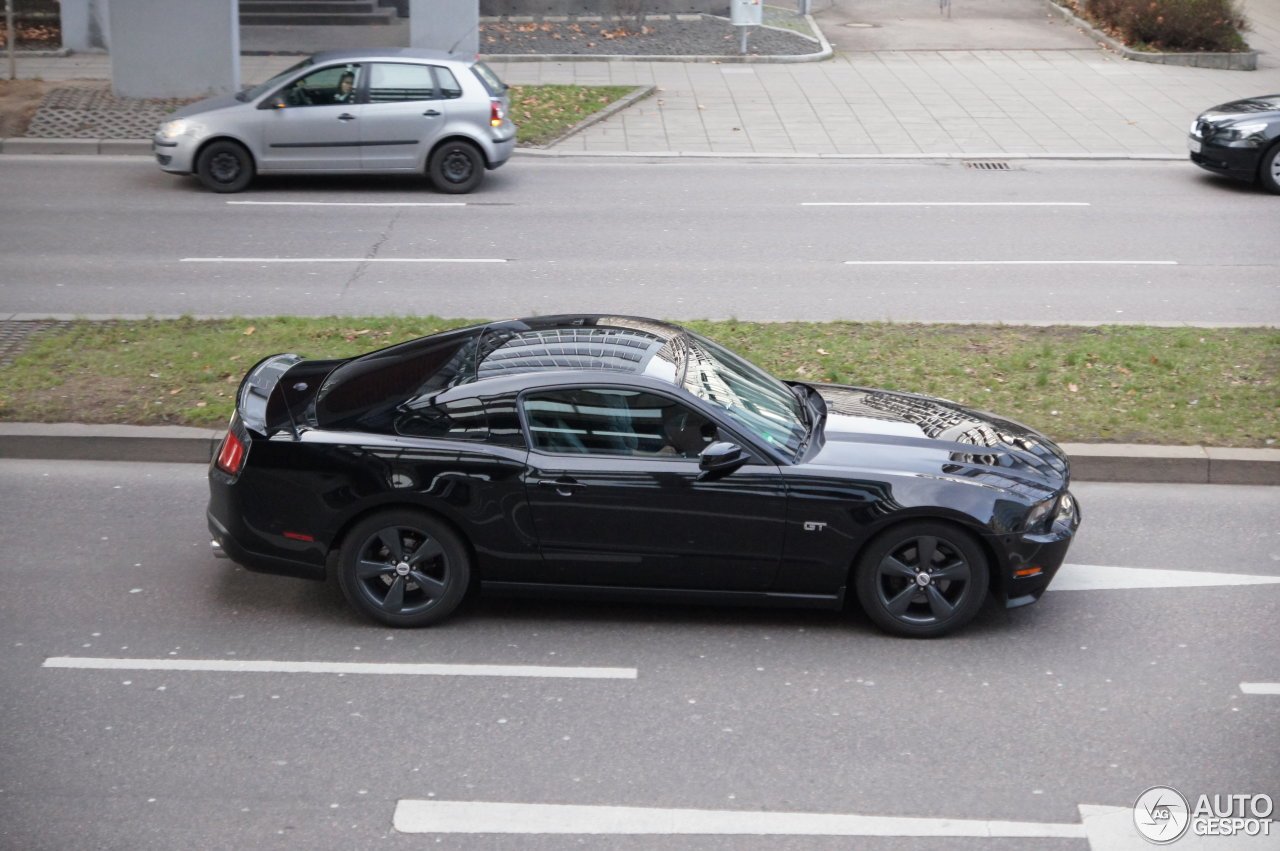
column 1090, row 462
column 1242, row 61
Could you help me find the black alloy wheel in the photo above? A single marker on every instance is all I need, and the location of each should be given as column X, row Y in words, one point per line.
column 224, row 167
column 404, row 568
column 1269, row 169
column 456, row 168
column 922, row 579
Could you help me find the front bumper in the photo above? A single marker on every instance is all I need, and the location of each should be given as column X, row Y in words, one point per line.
column 1236, row 162
column 176, row 156
column 1035, row 559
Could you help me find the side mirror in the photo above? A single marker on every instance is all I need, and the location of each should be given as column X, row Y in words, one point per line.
column 273, row 103
column 719, row 460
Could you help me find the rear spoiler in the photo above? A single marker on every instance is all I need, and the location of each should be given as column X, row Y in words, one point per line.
column 279, row 393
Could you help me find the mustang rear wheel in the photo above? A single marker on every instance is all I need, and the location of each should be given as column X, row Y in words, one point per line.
column 1269, row 170
column 921, row 579
column 404, row 568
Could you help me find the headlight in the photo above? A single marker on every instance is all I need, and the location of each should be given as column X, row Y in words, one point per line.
column 1038, row 516
column 1240, row 132
column 177, row 127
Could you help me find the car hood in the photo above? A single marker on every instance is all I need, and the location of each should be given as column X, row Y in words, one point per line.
column 1264, row 106
column 921, row 435
column 206, row 105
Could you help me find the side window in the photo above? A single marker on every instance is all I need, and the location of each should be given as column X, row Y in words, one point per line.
column 335, row 84
column 614, row 422
column 392, row 82
column 461, row 419
column 449, row 87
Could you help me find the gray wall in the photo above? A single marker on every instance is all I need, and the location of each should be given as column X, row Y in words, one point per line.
column 445, row 25
column 174, row 48
column 84, row 25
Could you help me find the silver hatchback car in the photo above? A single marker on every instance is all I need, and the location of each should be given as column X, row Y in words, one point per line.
column 383, row 111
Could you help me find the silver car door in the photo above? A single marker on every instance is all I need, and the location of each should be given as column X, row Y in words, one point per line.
column 405, row 114
column 314, row 123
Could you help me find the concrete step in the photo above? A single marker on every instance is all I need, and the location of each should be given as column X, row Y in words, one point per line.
column 314, row 13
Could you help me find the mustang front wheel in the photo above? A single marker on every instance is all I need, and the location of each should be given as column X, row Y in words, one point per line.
column 404, row 568
column 922, row 579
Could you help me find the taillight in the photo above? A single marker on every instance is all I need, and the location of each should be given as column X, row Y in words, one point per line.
column 231, row 455
column 495, row 114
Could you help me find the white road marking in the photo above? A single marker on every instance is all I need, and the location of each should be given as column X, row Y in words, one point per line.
column 1011, row 262
column 431, row 816
column 351, row 203
column 281, row 667
column 944, row 204
column 1260, row 688
column 342, row 260
column 1095, row 577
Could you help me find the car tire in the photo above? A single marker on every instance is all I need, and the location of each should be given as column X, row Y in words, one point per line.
column 1269, row 169
column 456, row 167
column 224, row 167
column 404, row 568
column 922, row 579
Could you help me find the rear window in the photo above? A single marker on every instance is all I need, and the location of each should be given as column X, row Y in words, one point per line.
column 491, row 81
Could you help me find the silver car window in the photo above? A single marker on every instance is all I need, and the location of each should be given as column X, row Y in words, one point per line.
column 449, row 86
column 392, row 81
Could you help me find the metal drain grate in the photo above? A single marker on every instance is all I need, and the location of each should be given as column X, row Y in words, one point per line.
column 989, row 166
column 15, row 334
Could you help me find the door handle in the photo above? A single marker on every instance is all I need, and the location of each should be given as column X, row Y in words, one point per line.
column 432, row 112
column 346, row 116
column 562, row 485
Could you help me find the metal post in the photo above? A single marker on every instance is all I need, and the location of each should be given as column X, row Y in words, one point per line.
column 11, row 38
column 743, row 47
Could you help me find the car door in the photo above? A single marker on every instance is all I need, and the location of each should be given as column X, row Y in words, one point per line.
column 614, row 492
column 312, row 124
column 405, row 114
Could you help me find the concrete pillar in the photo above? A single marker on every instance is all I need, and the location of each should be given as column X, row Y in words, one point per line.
column 174, row 48
column 84, row 25
column 450, row 25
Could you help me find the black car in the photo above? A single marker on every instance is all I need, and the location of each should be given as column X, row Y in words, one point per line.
column 1240, row 139
column 620, row 457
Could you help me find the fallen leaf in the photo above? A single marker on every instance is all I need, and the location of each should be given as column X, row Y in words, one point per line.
column 1074, row 388
column 249, row 330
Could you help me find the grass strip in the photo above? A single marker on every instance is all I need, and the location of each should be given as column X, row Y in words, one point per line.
column 1121, row 384
column 544, row 113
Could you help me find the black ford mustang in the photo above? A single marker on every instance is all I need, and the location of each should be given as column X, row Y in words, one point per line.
column 620, row 457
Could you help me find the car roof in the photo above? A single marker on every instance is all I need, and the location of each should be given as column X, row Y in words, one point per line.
column 374, row 54
column 485, row 354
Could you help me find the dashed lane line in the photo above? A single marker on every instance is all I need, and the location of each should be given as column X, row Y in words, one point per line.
column 342, row 260
column 1095, row 577
column 944, row 204
column 431, row 816
column 1011, row 262
column 284, row 667
column 1260, row 688
column 349, row 203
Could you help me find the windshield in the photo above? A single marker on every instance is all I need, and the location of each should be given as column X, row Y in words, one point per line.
column 752, row 397
column 278, row 80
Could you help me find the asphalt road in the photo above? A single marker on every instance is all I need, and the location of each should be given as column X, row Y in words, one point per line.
column 1086, row 698
column 1093, row 242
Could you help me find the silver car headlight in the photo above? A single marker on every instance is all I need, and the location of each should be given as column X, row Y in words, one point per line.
column 177, row 127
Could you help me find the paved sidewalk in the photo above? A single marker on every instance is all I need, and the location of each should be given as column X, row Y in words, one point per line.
column 1078, row 101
